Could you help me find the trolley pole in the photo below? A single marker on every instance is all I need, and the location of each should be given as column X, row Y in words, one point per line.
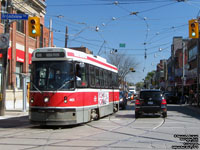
column 4, row 63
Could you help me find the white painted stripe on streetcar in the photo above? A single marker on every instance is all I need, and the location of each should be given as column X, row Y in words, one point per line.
column 80, row 90
column 79, row 107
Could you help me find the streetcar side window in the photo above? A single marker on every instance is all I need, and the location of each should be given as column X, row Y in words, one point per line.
column 114, row 80
column 110, row 79
column 105, row 79
column 81, row 76
column 101, row 78
column 97, row 77
column 92, row 76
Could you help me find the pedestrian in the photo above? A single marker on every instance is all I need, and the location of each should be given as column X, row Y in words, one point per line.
column 186, row 99
column 191, row 96
column 195, row 98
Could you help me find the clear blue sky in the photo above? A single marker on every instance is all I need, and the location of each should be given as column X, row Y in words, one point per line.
column 153, row 28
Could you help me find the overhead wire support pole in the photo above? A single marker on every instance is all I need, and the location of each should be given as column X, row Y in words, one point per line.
column 50, row 30
column 198, row 69
column 66, row 36
column 4, row 63
column 183, row 75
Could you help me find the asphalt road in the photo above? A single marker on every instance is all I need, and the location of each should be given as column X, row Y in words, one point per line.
column 118, row 131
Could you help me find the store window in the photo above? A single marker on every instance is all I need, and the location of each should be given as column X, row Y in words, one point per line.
column 19, row 80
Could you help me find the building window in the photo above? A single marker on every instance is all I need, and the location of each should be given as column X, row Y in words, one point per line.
column 20, row 24
column 3, row 10
column 45, row 44
column 192, row 53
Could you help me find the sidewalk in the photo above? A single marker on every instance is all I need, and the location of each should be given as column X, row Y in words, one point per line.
column 193, row 107
column 13, row 114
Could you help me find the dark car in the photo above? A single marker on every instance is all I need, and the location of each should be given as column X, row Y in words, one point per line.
column 171, row 98
column 123, row 97
column 150, row 101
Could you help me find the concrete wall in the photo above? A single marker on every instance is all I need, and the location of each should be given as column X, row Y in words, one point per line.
column 14, row 99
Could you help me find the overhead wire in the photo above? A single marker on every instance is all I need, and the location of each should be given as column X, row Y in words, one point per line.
column 141, row 18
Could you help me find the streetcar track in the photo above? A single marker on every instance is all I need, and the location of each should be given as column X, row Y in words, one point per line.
column 161, row 124
column 113, row 130
column 52, row 131
column 132, row 135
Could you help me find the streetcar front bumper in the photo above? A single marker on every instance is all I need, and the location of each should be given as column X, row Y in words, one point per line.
column 52, row 116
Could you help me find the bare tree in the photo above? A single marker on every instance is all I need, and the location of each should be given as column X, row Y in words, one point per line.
column 123, row 62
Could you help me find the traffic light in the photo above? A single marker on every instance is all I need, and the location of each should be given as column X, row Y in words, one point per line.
column 34, row 26
column 132, row 69
column 193, row 29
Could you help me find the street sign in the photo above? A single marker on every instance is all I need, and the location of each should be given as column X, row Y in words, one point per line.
column 122, row 45
column 4, row 41
column 14, row 16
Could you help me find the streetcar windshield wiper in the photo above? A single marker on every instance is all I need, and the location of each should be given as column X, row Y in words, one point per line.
column 36, row 87
column 64, row 84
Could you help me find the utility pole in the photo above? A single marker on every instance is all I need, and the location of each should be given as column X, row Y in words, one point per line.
column 66, row 37
column 5, row 62
column 50, row 30
column 183, row 75
column 198, row 70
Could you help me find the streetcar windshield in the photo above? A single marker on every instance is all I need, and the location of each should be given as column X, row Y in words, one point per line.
column 52, row 76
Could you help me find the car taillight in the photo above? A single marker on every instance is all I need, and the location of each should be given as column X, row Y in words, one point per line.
column 164, row 102
column 137, row 102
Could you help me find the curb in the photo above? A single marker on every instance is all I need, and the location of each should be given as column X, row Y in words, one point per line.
column 13, row 114
column 194, row 108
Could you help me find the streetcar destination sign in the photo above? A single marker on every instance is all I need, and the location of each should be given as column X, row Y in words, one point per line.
column 14, row 16
column 49, row 54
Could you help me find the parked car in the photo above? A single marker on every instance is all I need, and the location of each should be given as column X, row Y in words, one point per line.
column 171, row 98
column 123, row 97
column 150, row 101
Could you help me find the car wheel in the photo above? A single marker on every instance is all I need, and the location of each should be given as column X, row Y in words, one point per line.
column 137, row 115
column 123, row 107
column 164, row 114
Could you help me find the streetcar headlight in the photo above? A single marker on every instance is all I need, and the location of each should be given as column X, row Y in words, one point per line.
column 32, row 100
column 46, row 99
column 65, row 99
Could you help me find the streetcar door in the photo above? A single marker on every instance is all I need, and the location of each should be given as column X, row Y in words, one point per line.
column 81, row 84
column 115, row 88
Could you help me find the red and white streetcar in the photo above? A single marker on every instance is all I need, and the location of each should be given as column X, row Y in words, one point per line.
column 71, row 87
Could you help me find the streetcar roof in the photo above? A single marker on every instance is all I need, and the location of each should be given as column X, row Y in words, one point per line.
column 71, row 55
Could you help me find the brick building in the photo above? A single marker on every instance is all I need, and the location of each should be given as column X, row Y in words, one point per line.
column 21, row 45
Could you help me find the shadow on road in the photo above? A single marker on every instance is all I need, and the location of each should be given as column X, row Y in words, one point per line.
column 14, row 122
column 132, row 115
column 190, row 111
